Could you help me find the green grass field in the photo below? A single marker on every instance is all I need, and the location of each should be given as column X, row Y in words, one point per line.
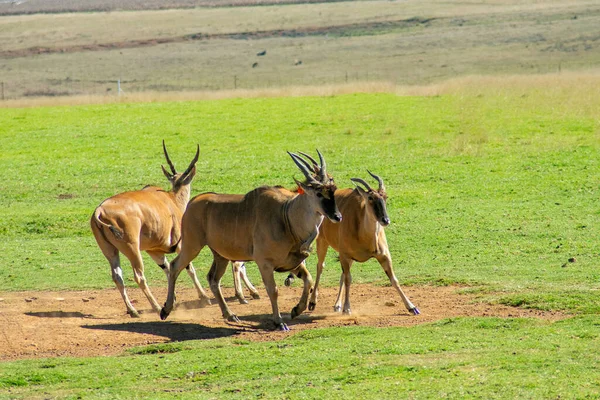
column 484, row 358
column 493, row 186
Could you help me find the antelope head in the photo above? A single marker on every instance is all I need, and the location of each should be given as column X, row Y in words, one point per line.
column 179, row 180
column 376, row 199
column 319, row 185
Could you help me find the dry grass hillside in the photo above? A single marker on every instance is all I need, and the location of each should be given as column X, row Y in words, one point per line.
column 18, row 7
column 204, row 47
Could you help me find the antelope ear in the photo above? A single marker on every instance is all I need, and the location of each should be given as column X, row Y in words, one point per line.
column 302, row 188
column 360, row 190
column 167, row 174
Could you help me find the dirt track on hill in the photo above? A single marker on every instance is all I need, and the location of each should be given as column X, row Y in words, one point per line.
column 94, row 323
column 252, row 35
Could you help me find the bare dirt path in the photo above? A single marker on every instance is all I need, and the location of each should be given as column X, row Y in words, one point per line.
column 93, row 323
column 275, row 33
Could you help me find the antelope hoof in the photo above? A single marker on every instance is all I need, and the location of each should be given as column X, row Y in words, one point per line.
column 283, row 327
column 312, row 305
column 242, row 300
column 133, row 314
column 337, row 308
column 415, row 311
column 164, row 314
column 348, row 311
column 255, row 296
column 205, row 301
column 233, row 318
column 288, row 281
column 295, row 312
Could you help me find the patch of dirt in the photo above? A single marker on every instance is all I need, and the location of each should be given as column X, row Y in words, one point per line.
column 94, row 323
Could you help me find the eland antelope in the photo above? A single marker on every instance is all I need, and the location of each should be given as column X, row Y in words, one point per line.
column 145, row 220
column 359, row 237
column 272, row 226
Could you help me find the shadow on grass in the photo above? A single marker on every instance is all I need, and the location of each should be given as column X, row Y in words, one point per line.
column 175, row 331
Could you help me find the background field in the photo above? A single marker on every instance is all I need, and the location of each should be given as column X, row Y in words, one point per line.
column 215, row 48
column 493, row 188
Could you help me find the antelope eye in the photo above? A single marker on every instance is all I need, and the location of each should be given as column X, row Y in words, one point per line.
column 319, row 194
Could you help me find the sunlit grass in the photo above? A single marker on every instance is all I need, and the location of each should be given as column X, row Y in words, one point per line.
column 484, row 358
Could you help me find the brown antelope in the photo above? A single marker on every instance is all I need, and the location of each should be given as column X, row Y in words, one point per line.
column 145, row 220
column 359, row 237
column 270, row 225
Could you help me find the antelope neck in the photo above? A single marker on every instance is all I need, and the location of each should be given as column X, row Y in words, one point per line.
column 370, row 226
column 182, row 197
column 307, row 227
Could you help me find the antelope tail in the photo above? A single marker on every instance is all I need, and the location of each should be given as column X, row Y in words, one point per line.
column 114, row 229
column 173, row 248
